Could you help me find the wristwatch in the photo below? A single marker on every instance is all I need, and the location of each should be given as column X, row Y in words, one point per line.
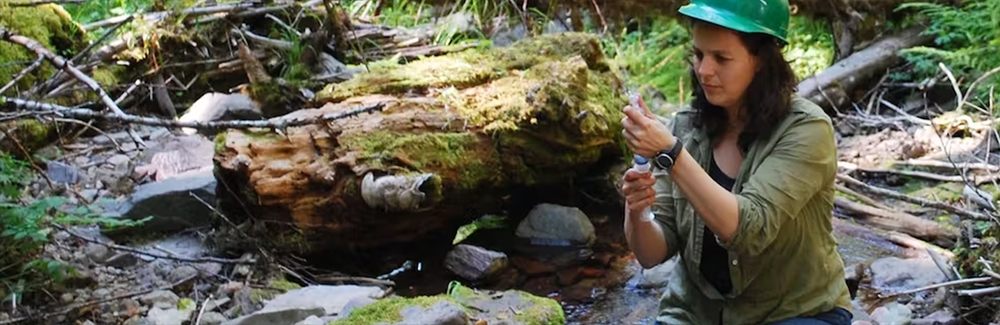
column 666, row 158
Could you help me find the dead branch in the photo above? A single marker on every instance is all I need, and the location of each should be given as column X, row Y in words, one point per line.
column 24, row 72
column 912, row 199
column 156, row 16
column 62, row 64
column 156, row 255
column 898, row 221
column 42, row 2
column 920, row 174
column 859, row 196
column 942, row 164
column 277, row 123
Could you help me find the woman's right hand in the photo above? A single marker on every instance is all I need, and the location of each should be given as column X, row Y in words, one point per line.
column 637, row 187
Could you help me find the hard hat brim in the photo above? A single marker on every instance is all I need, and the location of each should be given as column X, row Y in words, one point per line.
column 728, row 20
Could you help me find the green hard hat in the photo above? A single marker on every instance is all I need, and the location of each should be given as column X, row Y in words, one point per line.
column 748, row 16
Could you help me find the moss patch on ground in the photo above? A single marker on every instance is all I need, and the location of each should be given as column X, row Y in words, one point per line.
column 512, row 306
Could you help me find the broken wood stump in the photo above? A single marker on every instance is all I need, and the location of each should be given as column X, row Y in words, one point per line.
column 457, row 133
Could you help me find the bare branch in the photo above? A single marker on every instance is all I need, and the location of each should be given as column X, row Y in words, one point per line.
column 62, row 64
column 41, row 2
column 912, row 199
column 25, row 72
column 277, row 123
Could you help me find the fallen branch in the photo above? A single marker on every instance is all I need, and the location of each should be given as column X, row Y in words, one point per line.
column 939, row 285
column 42, row 2
column 912, row 199
column 141, row 252
column 898, row 221
column 276, row 123
column 920, row 174
column 153, row 17
column 62, row 64
column 944, row 164
column 859, row 196
column 24, row 72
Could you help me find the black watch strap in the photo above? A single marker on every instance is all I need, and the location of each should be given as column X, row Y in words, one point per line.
column 666, row 159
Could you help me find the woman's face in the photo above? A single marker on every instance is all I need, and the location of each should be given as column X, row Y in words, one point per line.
column 723, row 65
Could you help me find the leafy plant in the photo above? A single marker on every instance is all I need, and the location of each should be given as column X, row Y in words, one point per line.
column 25, row 229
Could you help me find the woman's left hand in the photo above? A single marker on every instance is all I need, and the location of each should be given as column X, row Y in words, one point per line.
column 645, row 135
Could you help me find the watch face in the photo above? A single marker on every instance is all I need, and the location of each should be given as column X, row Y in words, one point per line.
column 664, row 161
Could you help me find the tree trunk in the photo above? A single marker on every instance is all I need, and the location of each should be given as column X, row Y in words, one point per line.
column 833, row 88
column 457, row 133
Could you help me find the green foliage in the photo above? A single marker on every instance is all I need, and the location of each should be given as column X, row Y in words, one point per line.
column 966, row 40
column 25, row 229
column 655, row 56
column 810, row 46
column 484, row 222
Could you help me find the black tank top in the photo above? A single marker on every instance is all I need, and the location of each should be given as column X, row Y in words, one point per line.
column 714, row 258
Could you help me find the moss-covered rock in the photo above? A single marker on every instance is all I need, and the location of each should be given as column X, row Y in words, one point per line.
column 51, row 26
column 513, row 306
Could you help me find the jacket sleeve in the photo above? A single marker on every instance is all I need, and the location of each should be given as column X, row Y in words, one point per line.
column 802, row 162
column 665, row 213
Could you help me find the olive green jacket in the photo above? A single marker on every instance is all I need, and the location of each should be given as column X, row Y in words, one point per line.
column 783, row 257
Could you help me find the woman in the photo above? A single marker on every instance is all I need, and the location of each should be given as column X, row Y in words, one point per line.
column 743, row 182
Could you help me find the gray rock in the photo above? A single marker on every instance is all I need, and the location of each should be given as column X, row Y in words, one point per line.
column 286, row 316
column 175, row 155
column 311, row 320
column 894, row 274
column 892, row 313
column 331, row 299
column 355, row 303
column 169, row 203
column 119, row 159
column 97, row 253
column 212, row 318
column 220, row 107
column 122, row 260
column 62, row 173
column 160, row 299
column 475, row 263
column 172, row 316
column 181, row 273
column 943, row 317
column 441, row 313
column 555, row 222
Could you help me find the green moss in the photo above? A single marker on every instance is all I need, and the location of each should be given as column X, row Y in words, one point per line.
column 430, row 152
column 943, row 191
column 466, row 68
column 31, row 134
column 109, row 75
column 284, row 285
column 387, row 310
column 544, row 311
column 220, row 142
column 50, row 25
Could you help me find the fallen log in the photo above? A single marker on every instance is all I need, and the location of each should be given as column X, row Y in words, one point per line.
column 897, row 221
column 832, row 88
column 457, row 133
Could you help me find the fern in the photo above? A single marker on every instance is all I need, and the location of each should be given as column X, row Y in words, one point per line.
column 966, row 40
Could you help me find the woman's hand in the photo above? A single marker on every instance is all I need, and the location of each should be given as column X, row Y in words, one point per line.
column 645, row 135
column 637, row 187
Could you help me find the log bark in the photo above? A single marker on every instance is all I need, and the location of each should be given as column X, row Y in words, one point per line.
column 457, row 133
column 897, row 221
column 832, row 88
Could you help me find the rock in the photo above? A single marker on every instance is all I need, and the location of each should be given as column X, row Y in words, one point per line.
column 441, row 313
column 892, row 313
column 119, row 159
column 169, row 203
column 176, row 155
column 160, row 299
column 97, row 253
column 181, row 273
column 219, row 107
column 494, row 307
column 88, row 322
column 212, row 318
column 942, row 317
column 172, row 316
column 555, row 222
column 122, row 260
column 296, row 305
column 656, row 277
column 62, row 173
column 893, row 273
column 475, row 263
column 311, row 320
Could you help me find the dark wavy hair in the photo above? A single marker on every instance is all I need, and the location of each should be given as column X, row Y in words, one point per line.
column 768, row 98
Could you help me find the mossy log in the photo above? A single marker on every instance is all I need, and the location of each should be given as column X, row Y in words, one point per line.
column 457, row 133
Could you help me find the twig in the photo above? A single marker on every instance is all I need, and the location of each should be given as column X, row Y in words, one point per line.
column 197, row 320
column 941, row 164
column 273, row 43
column 61, row 63
column 939, row 285
column 353, row 279
column 87, row 125
column 926, row 175
column 153, row 17
column 861, row 197
column 141, row 252
column 42, row 2
column 277, row 123
column 912, row 199
column 24, row 72
column 978, row 292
